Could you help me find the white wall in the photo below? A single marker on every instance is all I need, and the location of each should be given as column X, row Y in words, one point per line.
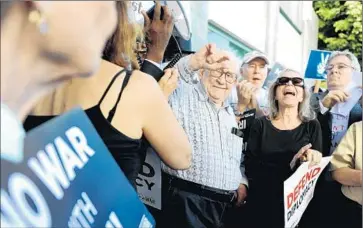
column 261, row 25
column 288, row 45
column 245, row 19
column 294, row 10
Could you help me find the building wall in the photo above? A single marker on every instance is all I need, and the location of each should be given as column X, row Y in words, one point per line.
column 285, row 31
column 245, row 19
column 198, row 13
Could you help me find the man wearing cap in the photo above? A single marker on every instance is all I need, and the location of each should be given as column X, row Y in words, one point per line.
column 247, row 95
column 249, row 92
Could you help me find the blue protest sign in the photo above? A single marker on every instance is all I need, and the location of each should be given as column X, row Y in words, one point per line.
column 68, row 178
column 272, row 75
column 315, row 68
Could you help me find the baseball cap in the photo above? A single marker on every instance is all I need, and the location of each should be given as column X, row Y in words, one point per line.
column 253, row 55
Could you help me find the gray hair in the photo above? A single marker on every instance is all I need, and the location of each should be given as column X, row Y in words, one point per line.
column 305, row 111
column 355, row 63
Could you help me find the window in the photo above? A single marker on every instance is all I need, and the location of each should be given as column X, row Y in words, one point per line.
column 226, row 41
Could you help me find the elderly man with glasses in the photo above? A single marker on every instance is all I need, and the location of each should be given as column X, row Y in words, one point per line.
column 201, row 195
column 340, row 68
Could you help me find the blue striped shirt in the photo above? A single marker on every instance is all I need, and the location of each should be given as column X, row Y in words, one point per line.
column 216, row 152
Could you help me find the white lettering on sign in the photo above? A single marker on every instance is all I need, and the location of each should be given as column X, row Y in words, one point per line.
column 47, row 165
column 113, row 221
column 69, row 159
column 51, row 173
column 242, row 124
column 79, row 143
column 9, row 216
column 83, row 213
column 145, row 223
column 16, row 211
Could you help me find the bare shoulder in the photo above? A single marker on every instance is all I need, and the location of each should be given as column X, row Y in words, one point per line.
column 138, row 76
column 106, row 71
column 144, row 84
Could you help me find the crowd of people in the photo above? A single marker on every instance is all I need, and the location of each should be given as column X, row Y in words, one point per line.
column 51, row 63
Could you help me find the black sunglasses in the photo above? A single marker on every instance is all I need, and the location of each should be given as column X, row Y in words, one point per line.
column 295, row 81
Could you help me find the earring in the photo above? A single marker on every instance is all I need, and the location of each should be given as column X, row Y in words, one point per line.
column 38, row 18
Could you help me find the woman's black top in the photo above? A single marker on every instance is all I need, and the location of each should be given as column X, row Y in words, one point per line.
column 129, row 153
column 267, row 165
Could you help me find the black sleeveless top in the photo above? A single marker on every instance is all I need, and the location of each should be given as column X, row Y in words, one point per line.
column 129, row 153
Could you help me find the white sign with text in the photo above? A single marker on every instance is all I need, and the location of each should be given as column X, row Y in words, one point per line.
column 148, row 181
column 299, row 190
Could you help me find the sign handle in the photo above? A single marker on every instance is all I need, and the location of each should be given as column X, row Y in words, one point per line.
column 317, row 86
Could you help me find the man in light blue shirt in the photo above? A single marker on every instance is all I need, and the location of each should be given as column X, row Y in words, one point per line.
column 215, row 179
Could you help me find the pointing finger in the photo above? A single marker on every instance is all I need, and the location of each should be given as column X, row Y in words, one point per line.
column 157, row 11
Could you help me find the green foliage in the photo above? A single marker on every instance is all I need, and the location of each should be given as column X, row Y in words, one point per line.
column 340, row 26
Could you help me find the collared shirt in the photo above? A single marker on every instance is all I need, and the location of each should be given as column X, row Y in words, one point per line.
column 12, row 136
column 216, row 152
column 348, row 154
column 339, row 126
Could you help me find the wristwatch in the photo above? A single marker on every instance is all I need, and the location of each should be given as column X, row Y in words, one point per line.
column 238, row 113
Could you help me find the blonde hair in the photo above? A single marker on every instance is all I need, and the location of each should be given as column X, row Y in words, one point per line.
column 120, row 47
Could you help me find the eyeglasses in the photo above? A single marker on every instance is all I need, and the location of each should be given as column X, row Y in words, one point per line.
column 230, row 77
column 340, row 67
column 295, row 81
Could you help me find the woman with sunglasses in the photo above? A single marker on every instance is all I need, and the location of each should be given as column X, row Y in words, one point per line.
column 276, row 144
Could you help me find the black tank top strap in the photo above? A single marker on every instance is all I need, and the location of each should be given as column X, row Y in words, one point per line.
column 109, row 85
column 124, row 84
